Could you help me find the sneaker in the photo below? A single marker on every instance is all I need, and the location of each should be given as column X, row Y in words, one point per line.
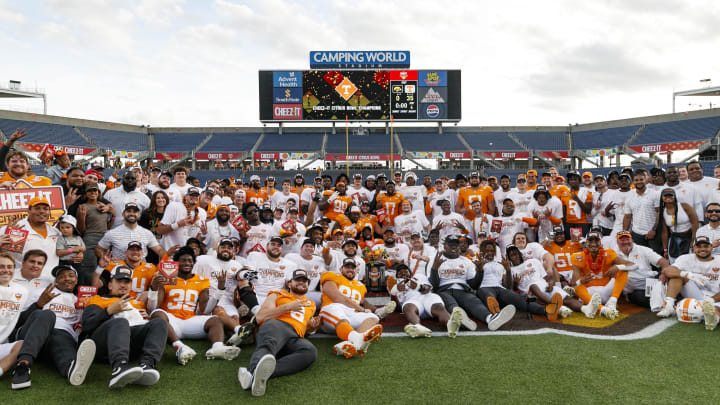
column 466, row 321
column 245, row 378
column 553, row 308
column 453, row 325
column 711, row 319
column 346, row 349
column 124, row 374
column 386, row 310
column 501, row 318
column 184, row 354
column 609, row 313
column 263, row 371
column 150, row 375
column 590, row 310
column 493, row 305
column 223, row 352
column 21, row 376
column 611, row 303
column 417, row 330
column 243, row 310
column 83, row 360
column 565, row 312
column 370, row 335
column 667, row 311
column 245, row 335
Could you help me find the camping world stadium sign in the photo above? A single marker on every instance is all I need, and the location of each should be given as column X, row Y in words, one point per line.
column 359, row 59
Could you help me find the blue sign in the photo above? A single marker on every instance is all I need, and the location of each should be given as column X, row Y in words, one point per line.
column 287, row 79
column 432, row 78
column 359, row 59
column 432, row 111
column 287, row 95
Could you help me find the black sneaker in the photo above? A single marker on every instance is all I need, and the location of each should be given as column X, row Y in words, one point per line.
column 245, row 335
column 21, row 376
column 150, row 375
column 124, row 374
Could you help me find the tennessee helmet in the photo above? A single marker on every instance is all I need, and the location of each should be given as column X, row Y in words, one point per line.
column 689, row 310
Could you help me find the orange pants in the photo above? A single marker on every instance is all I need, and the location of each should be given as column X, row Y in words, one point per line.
column 620, row 280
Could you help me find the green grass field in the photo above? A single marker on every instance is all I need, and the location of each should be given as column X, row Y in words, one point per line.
column 678, row 366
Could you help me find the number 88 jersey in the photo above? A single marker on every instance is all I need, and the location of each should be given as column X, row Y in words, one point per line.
column 181, row 299
column 352, row 289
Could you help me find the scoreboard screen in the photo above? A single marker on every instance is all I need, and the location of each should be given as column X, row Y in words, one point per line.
column 361, row 95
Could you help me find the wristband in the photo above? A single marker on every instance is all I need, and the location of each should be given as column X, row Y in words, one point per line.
column 99, row 270
column 218, row 294
column 683, row 274
column 174, row 226
column 665, row 250
column 70, row 251
column 577, row 283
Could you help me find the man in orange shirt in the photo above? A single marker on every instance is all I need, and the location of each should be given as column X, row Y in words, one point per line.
column 142, row 272
column 576, row 206
column 390, row 201
column 599, row 276
column 531, row 177
column 18, row 168
column 335, row 204
column 346, row 313
column 285, row 318
column 256, row 193
column 475, row 192
column 561, row 249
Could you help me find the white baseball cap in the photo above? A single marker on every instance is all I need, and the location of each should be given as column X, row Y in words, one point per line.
column 239, row 191
column 254, row 177
column 69, row 219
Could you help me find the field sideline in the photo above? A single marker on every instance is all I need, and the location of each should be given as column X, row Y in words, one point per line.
column 677, row 366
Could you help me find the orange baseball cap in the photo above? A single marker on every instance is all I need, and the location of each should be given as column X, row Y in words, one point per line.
column 37, row 200
column 532, row 173
column 492, row 178
column 587, row 174
column 623, row 234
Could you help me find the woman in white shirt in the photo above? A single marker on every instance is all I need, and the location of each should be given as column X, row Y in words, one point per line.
column 678, row 226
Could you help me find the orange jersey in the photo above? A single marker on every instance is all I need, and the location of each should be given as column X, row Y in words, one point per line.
column 467, row 195
column 391, row 204
column 35, row 181
column 562, row 254
column 352, row 289
column 560, row 191
column 297, row 319
column 363, row 221
column 211, row 211
column 579, row 260
column 573, row 213
column 336, row 210
column 141, row 278
column 258, row 197
column 298, row 190
column 270, row 191
column 104, row 302
column 533, row 187
column 181, row 299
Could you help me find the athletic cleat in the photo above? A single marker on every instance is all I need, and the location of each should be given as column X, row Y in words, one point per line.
column 245, row 335
column 466, row 321
column 21, row 376
column 184, row 354
column 124, row 374
column 150, row 375
column 711, row 319
column 569, row 290
column 611, row 303
column 263, row 371
column 565, row 312
column 243, row 310
column 501, row 318
column 591, row 309
column 346, row 349
column 224, row 352
column 553, row 308
column 386, row 310
column 369, row 336
column 493, row 305
column 667, row 311
column 245, row 378
column 453, row 325
column 609, row 313
column 417, row 331
column 83, row 360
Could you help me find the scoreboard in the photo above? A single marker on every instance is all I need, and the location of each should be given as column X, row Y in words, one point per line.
column 361, row 95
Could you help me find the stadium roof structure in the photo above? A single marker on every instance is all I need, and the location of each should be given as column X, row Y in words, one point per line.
column 15, row 90
column 703, row 92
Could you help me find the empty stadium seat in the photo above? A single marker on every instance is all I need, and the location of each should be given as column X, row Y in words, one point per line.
column 698, row 129
column 372, row 143
column 292, row 142
column 543, row 141
column 603, row 138
column 42, row 133
column 230, row 142
column 484, row 141
column 117, row 140
column 430, row 142
column 177, row 141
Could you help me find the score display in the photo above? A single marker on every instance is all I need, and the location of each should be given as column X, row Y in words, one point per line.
column 361, row 95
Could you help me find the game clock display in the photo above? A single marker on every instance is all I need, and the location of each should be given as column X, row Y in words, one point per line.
column 360, row 95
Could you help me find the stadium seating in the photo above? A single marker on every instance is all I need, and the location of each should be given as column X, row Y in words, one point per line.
column 487, row 141
column 603, row 138
column 679, row 131
column 230, row 142
column 372, row 143
column 292, row 142
column 430, row 142
column 177, row 141
column 543, row 141
column 116, row 140
column 42, row 133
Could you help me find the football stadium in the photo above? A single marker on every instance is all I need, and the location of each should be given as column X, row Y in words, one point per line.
column 359, row 244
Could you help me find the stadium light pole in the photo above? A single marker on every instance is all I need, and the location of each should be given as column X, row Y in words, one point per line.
column 347, row 147
column 392, row 161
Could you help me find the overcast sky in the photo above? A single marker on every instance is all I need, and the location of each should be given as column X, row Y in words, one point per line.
column 195, row 63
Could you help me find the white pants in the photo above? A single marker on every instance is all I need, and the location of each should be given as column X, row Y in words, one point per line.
column 542, row 285
column 191, row 328
column 424, row 303
column 226, row 302
column 332, row 314
column 605, row 291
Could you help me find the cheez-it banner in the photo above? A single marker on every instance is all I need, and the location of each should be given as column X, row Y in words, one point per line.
column 14, row 203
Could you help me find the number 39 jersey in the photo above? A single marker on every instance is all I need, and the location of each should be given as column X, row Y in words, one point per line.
column 181, row 299
column 352, row 289
column 297, row 319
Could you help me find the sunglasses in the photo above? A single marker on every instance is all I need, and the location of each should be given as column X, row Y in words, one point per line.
column 713, row 211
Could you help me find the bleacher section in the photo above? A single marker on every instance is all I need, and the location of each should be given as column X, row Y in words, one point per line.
column 117, row 140
column 679, row 131
column 372, row 143
column 292, row 142
column 603, row 138
column 42, row 133
column 177, row 141
column 488, row 141
column 229, row 142
column 430, row 142
column 543, row 141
